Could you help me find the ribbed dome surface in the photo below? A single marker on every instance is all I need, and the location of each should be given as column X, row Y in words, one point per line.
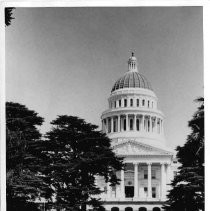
column 131, row 80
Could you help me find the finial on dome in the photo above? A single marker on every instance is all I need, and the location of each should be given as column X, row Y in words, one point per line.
column 132, row 63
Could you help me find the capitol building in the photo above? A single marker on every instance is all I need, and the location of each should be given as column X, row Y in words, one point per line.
column 135, row 126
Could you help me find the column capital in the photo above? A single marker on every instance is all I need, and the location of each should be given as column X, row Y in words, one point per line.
column 135, row 163
column 149, row 163
column 163, row 163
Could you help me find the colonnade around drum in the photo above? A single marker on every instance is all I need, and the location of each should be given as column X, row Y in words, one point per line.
column 132, row 122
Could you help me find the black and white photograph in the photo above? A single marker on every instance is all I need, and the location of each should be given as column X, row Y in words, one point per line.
column 104, row 108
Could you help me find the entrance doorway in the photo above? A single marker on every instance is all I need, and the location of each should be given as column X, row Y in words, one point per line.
column 129, row 191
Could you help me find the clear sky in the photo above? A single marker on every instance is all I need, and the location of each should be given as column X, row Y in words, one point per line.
column 66, row 60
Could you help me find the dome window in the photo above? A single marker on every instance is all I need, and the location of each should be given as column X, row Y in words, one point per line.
column 115, row 125
column 119, row 103
column 137, row 102
column 131, row 102
column 148, row 103
column 137, row 125
column 143, row 102
column 109, row 125
column 131, row 124
column 125, row 102
column 124, row 125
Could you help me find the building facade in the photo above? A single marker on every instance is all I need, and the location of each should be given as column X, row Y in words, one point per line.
column 136, row 127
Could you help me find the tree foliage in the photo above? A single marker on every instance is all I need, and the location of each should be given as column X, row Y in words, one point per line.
column 24, row 184
column 77, row 152
column 8, row 15
column 187, row 191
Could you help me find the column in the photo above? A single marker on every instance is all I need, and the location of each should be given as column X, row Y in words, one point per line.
column 112, row 125
column 127, row 122
column 117, row 103
column 155, row 125
column 142, row 124
column 168, row 175
column 149, row 187
column 163, row 181
column 150, row 125
column 109, row 190
column 122, row 184
column 118, row 123
column 134, row 123
column 105, row 125
column 136, row 185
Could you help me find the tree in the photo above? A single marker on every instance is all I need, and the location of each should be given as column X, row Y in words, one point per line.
column 187, row 191
column 8, row 15
column 24, row 182
column 77, row 153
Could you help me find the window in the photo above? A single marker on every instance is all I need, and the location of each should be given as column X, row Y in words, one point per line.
column 142, row 209
column 137, row 102
column 115, row 104
column 148, row 103
column 131, row 124
column 153, row 192
column 143, row 102
column 115, row 125
column 109, row 125
column 153, row 174
column 115, row 209
column 125, row 102
column 119, row 103
column 131, row 102
column 124, row 124
column 145, row 174
column 145, row 190
column 137, row 124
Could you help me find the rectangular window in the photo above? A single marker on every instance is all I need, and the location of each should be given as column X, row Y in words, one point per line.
column 143, row 102
column 153, row 174
column 131, row 102
column 145, row 174
column 145, row 191
column 131, row 124
column 153, row 192
column 137, row 102
column 125, row 102
column 148, row 103
column 109, row 125
column 115, row 125
column 115, row 104
column 119, row 103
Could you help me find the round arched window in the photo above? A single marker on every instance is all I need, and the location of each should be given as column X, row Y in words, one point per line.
column 142, row 209
column 115, row 209
column 128, row 209
column 156, row 209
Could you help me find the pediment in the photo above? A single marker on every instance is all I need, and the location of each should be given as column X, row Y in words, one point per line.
column 135, row 148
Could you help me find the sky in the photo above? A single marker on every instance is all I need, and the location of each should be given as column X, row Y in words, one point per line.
column 64, row 61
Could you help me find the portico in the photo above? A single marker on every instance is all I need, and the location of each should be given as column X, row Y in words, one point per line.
column 140, row 182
